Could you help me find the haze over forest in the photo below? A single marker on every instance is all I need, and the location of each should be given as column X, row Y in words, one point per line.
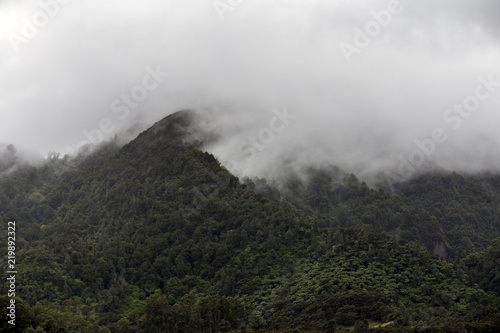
column 368, row 131
column 365, row 100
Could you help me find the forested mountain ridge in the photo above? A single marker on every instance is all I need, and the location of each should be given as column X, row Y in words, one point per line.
column 156, row 236
column 459, row 212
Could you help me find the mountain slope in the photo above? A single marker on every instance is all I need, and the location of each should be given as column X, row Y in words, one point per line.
column 450, row 214
column 156, row 236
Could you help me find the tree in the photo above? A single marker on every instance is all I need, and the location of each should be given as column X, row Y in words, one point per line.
column 331, row 326
column 361, row 326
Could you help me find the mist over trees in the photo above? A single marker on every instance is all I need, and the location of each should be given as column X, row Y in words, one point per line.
column 157, row 236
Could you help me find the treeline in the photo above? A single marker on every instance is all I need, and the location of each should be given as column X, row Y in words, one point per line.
column 157, row 236
column 193, row 313
column 462, row 212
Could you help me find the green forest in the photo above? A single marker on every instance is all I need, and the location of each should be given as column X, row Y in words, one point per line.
column 157, row 236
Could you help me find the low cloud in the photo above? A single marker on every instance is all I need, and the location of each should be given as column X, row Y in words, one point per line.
column 363, row 115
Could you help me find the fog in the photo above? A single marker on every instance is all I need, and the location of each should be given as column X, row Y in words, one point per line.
column 373, row 87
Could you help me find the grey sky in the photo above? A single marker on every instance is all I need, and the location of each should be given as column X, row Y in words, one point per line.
column 70, row 77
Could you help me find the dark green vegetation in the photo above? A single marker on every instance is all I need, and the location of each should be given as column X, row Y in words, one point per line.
column 156, row 236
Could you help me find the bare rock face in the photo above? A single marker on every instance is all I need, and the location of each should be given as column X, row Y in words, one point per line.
column 440, row 249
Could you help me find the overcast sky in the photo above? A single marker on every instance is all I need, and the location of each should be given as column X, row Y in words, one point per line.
column 363, row 79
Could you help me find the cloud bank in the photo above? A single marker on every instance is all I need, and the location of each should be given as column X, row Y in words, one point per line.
column 370, row 86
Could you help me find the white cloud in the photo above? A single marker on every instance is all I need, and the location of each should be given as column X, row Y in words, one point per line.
column 265, row 54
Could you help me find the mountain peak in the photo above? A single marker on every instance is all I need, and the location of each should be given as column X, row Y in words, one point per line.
column 171, row 128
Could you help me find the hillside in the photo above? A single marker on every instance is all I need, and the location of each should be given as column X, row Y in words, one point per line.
column 157, row 236
column 450, row 214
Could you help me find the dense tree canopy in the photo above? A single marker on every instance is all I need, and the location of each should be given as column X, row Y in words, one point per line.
column 156, row 236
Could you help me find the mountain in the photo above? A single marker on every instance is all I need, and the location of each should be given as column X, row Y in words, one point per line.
column 450, row 214
column 157, row 236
